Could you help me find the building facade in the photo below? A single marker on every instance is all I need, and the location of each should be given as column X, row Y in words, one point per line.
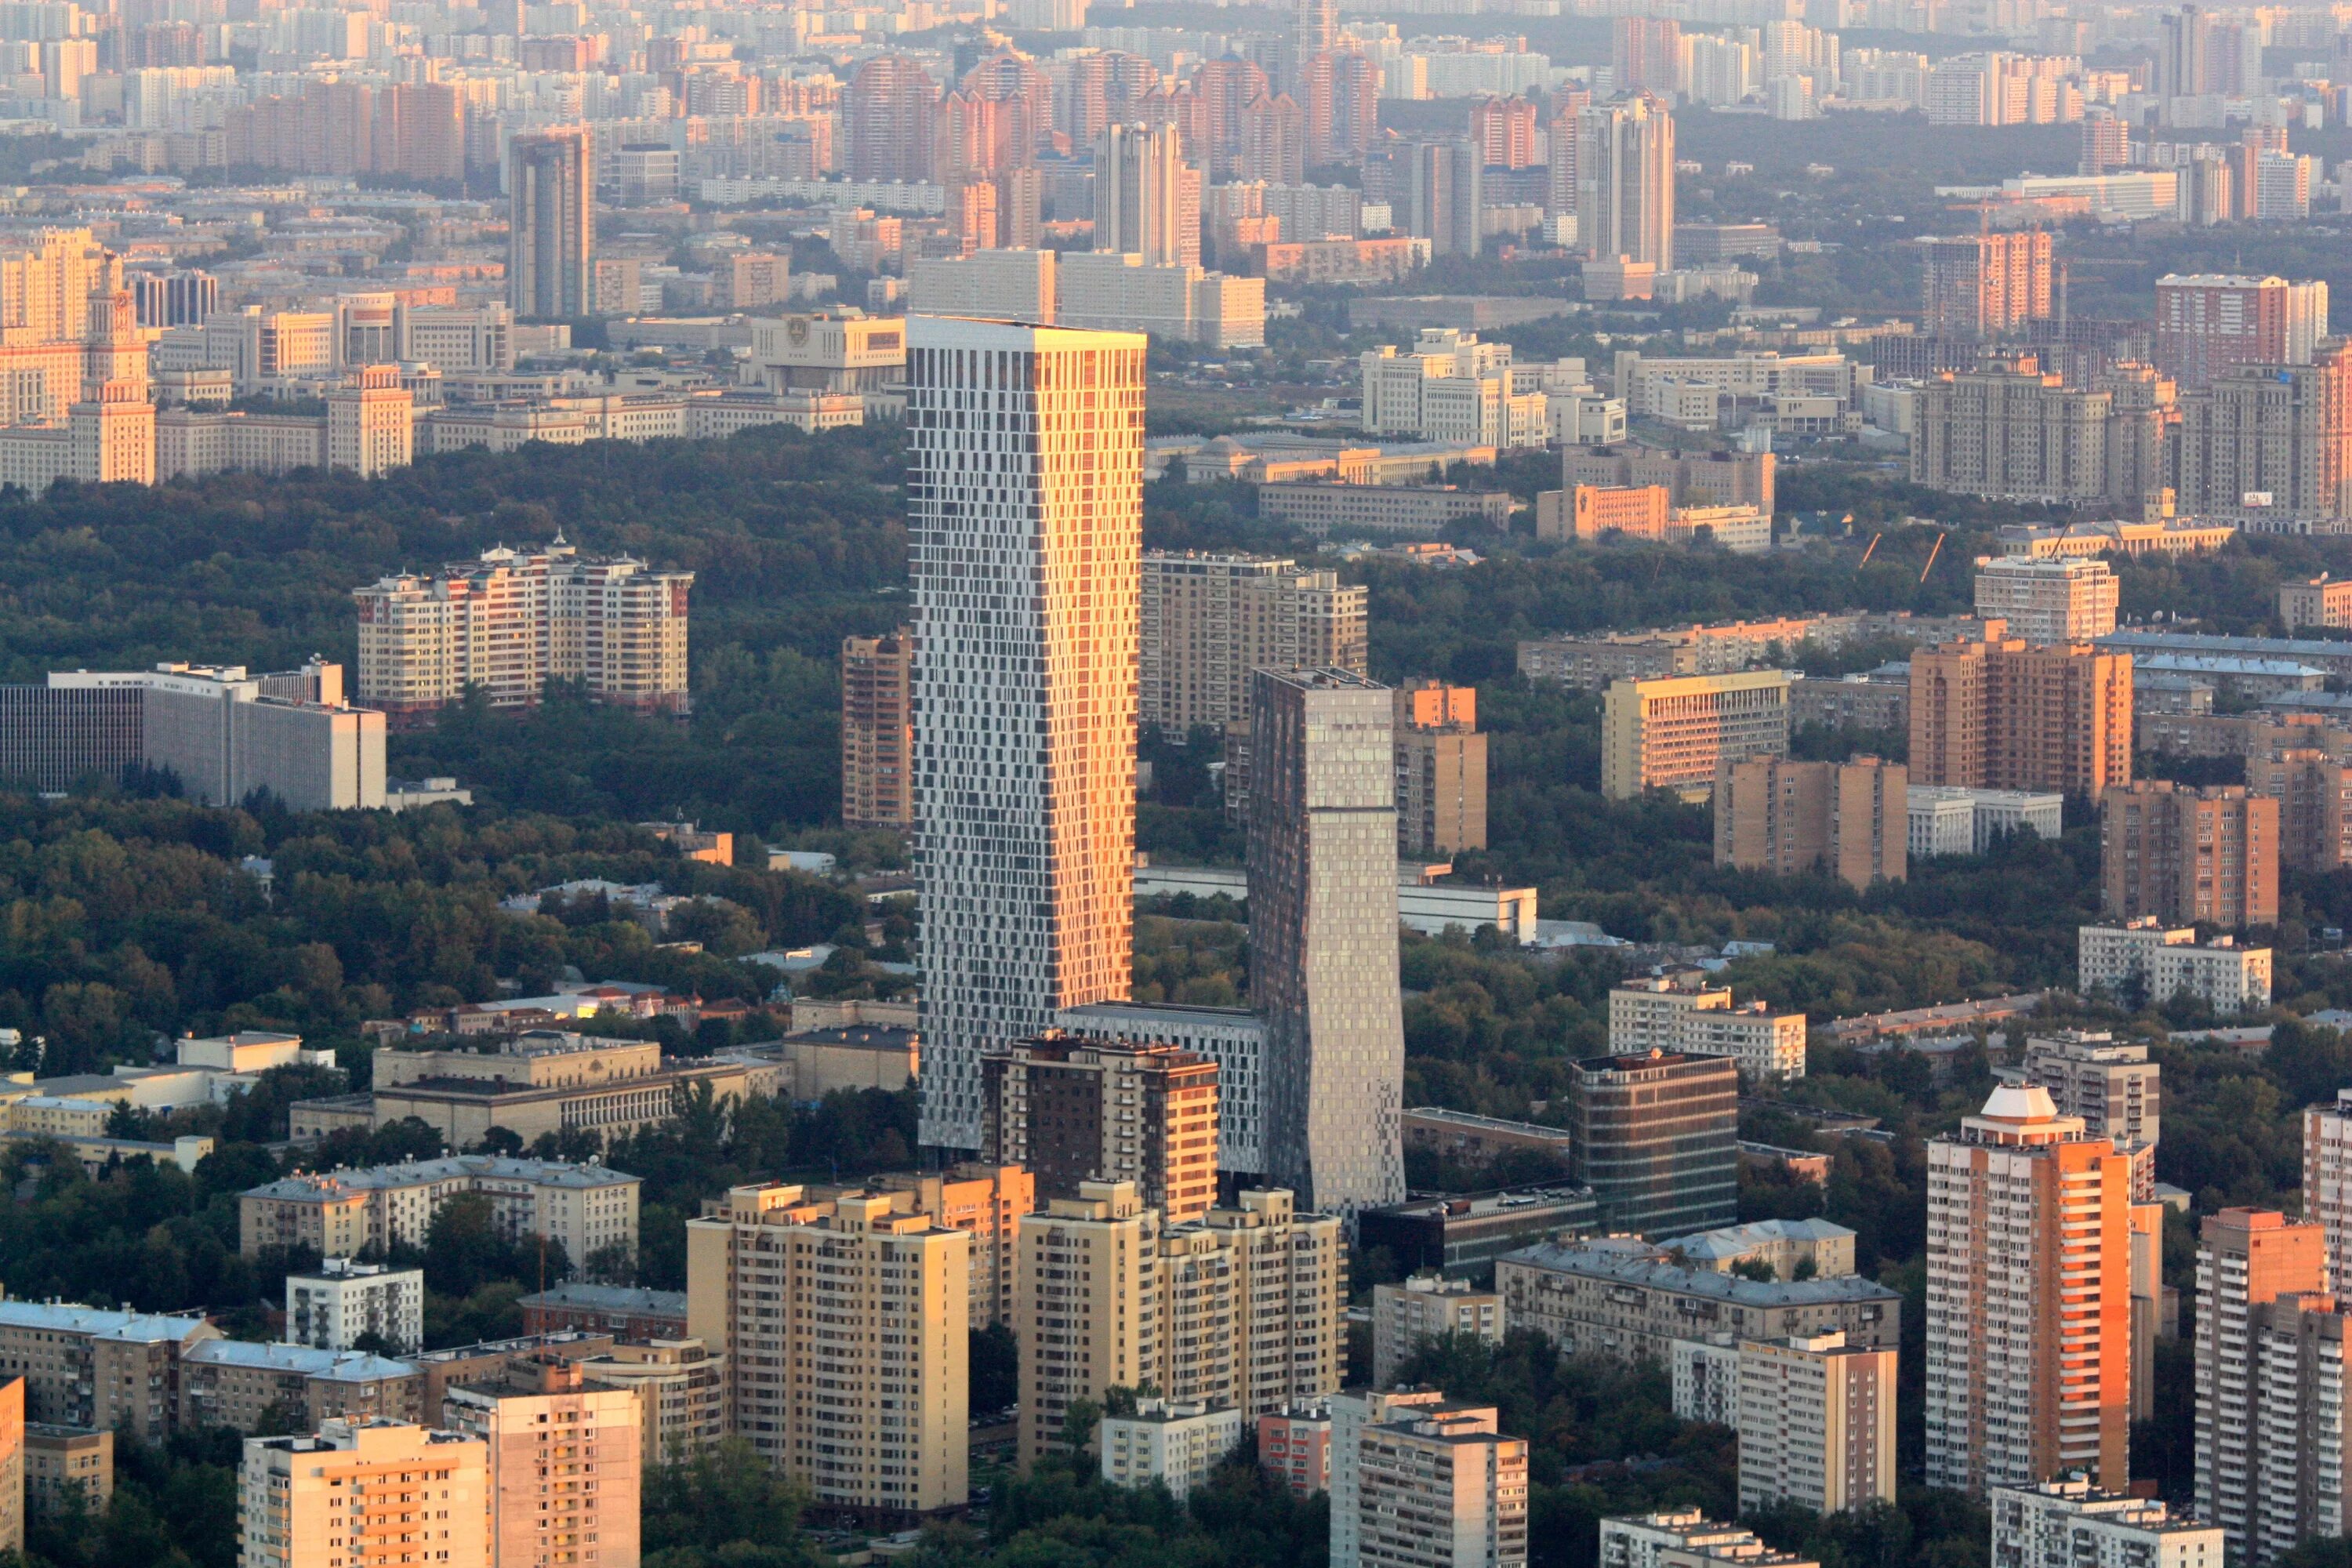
column 1070, row 1110
column 551, row 232
column 2048, row 599
column 1441, row 769
column 1208, row 620
column 1816, row 1420
column 2246, row 1260
column 367, row 1492
column 2077, row 1521
column 1997, row 714
column 2204, row 856
column 566, row 1462
column 1849, row 819
column 1676, row 732
column 877, row 731
column 333, row 1306
column 1655, row 1138
column 2142, row 957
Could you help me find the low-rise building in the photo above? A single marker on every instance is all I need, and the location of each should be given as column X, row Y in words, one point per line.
column 1462, row 1234
column 1952, row 819
column 624, row 1312
column 98, row 1369
column 1679, row 1011
column 1813, row 1247
column 585, row 1208
column 2070, row 1520
column 65, row 1464
column 1427, row 1305
column 1178, row 1445
column 1324, row 510
column 2143, row 958
column 1630, row 1301
column 243, row 1385
column 1465, row 1139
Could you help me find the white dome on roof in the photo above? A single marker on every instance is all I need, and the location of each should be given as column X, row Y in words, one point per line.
column 2020, row 1102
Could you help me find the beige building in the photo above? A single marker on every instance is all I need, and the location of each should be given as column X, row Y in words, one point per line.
column 877, row 731
column 1816, row 1424
column 2253, row 1429
column 566, row 1463
column 93, row 1368
column 1087, row 1306
column 2314, row 791
column 1208, row 620
column 513, row 621
column 2112, row 1085
column 585, row 1209
column 1678, row 1012
column 681, row 1391
column 1997, row 714
column 1676, row 733
column 364, row 1493
column 872, row 1422
column 2322, row 601
column 2009, row 431
column 371, row 422
column 2209, row 855
column 64, row 1462
column 246, row 1387
column 1427, row 1307
column 1850, row 819
column 986, row 1203
column 1070, row 1110
column 1440, row 1486
column 2048, row 599
column 1441, row 769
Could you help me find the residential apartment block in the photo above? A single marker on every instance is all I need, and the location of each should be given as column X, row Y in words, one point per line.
column 1816, row 1421
column 365, row 1492
column 2314, row 791
column 566, row 1462
column 2048, row 599
column 873, row 1422
column 1678, row 1012
column 1676, row 733
column 2247, row 1261
column 2112, row 1085
column 1998, row 714
column 1068, row 1110
column 1427, row 1305
column 2271, row 446
column 583, row 1208
column 2143, row 957
column 1441, row 769
column 2008, row 430
column 1850, row 819
column 2075, row 1521
column 1179, row 1445
column 1654, row 1136
column 2209, row 325
column 877, row 731
column 1439, row 1485
column 330, row 1307
column 93, row 1368
column 1208, row 620
column 515, row 620
column 2178, row 855
column 2322, row 601
column 2328, row 1182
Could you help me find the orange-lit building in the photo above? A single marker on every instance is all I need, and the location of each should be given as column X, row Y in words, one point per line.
column 877, row 731
column 2247, row 1259
column 2002, row 715
column 2186, row 856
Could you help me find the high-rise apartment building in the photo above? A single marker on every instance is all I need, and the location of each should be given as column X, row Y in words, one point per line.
column 2207, row 856
column 2314, row 791
column 2209, row 325
column 1676, row 732
column 13, row 1498
column 2303, row 1343
column 1655, row 1138
column 2048, row 599
column 1851, row 819
column 517, row 619
column 1024, row 514
column 1147, row 199
column 2010, row 430
column 1427, row 1307
column 1441, row 769
column 1071, row 1110
column 1207, row 621
column 1086, row 1305
column 2029, row 1298
column 2001, row 715
column 551, row 238
column 2246, row 1260
column 1816, row 1421
column 877, row 731
column 2112, row 1085
column 1646, row 55
column 2327, row 1181
column 1439, row 1485
column 2270, row 445
column 1984, row 284
column 1625, row 182
column 887, row 115
column 1353, row 1414
column 2075, row 1521
column 369, row 1491
column 872, row 1421
column 566, row 1462
column 1323, row 924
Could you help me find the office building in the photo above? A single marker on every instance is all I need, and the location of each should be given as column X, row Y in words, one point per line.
column 1450, row 386
column 1463, row 1137
column 2143, row 959
column 1984, row 284
column 1095, row 1326
column 2210, row 325
column 1069, row 1109
column 1630, row 1301
column 2313, row 791
column 2246, row 1260
column 1324, row 510
column 1441, row 769
column 1625, row 182
column 2327, row 1181
column 1427, row 1305
column 2180, row 854
column 2001, row 715
column 224, row 734
column 2029, row 1230
column 1208, row 620
column 1816, row 1420
column 369, row 1491
column 516, row 620
column 1850, row 819
column 551, row 238
column 2112, row 1085
column 2270, row 446
column 1025, row 521
column 2048, row 600
column 1677, row 1010
column 873, row 1423
column 2073, row 1521
column 1147, row 199
column 1676, row 732
column 333, row 1306
column 877, row 731
column 94, row 1368
column 566, row 1460
column 1654, row 1138
column 1323, row 922
column 585, row 1209
column 1178, row 1445
column 1439, row 1485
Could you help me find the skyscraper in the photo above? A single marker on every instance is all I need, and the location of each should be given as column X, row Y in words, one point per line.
column 2246, row 1260
column 1140, row 196
column 1982, row 285
column 887, row 117
column 1323, row 924
column 1024, row 513
column 1657, row 1138
column 1646, row 55
column 550, row 241
column 2029, row 1298
column 2273, row 443
column 1625, row 182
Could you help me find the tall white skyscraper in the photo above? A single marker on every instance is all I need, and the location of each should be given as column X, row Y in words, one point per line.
column 1625, row 182
column 1147, row 202
column 1323, row 935
column 1024, row 508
